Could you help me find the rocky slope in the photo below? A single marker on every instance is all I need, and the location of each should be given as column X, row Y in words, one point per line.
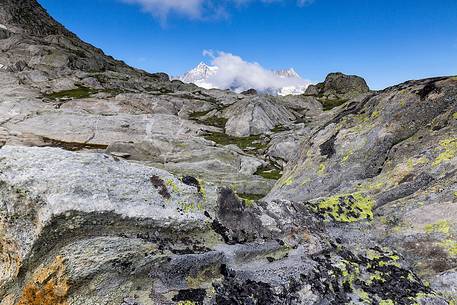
column 122, row 187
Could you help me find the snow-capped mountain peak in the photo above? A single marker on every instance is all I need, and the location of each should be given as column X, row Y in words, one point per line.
column 288, row 73
column 232, row 77
column 199, row 75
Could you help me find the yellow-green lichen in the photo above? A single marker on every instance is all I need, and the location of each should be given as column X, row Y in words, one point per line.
column 289, row 181
column 451, row 246
column 173, row 185
column 190, row 207
column 280, row 253
column 347, row 208
column 371, row 187
column 441, row 226
column 186, row 303
column 322, row 168
column 375, row 114
column 450, row 151
column 386, row 302
column 347, row 155
column 376, row 277
column 411, row 163
column 455, row 115
column 203, row 278
column 202, row 189
column 386, row 258
column 363, row 295
column 249, row 202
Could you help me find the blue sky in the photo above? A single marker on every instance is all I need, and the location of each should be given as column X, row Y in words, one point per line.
column 386, row 42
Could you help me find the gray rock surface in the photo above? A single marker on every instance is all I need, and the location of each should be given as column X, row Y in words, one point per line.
column 118, row 186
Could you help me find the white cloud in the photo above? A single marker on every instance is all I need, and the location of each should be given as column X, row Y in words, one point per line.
column 302, row 3
column 197, row 9
column 161, row 8
column 239, row 75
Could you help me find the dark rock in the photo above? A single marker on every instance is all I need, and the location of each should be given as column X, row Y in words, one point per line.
column 249, row 92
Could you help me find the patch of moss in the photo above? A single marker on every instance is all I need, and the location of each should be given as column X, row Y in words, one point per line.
column 244, row 143
column 450, row 151
column 215, row 121
column 210, row 121
column 346, row 208
column 112, row 92
column 455, row 115
column 270, row 171
column 280, row 128
column 198, row 114
column 329, row 104
column 79, row 93
column 249, row 199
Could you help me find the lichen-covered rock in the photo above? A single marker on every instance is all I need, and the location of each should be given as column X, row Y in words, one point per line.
column 396, row 151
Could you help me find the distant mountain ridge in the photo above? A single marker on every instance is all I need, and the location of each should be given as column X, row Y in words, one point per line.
column 203, row 74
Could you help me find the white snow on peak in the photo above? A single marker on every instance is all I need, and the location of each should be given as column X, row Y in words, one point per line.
column 200, row 75
column 236, row 76
column 287, row 73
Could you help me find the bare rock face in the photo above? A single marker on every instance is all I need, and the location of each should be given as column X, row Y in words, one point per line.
column 28, row 16
column 339, row 84
column 337, row 89
column 118, row 186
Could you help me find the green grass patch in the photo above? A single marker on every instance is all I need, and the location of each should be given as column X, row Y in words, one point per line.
column 215, row 121
column 269, row 171
column 79, row 93
column 198, row 114
column 250, row 197
column 211, row 121
column 221, row 138
column 330, row 104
